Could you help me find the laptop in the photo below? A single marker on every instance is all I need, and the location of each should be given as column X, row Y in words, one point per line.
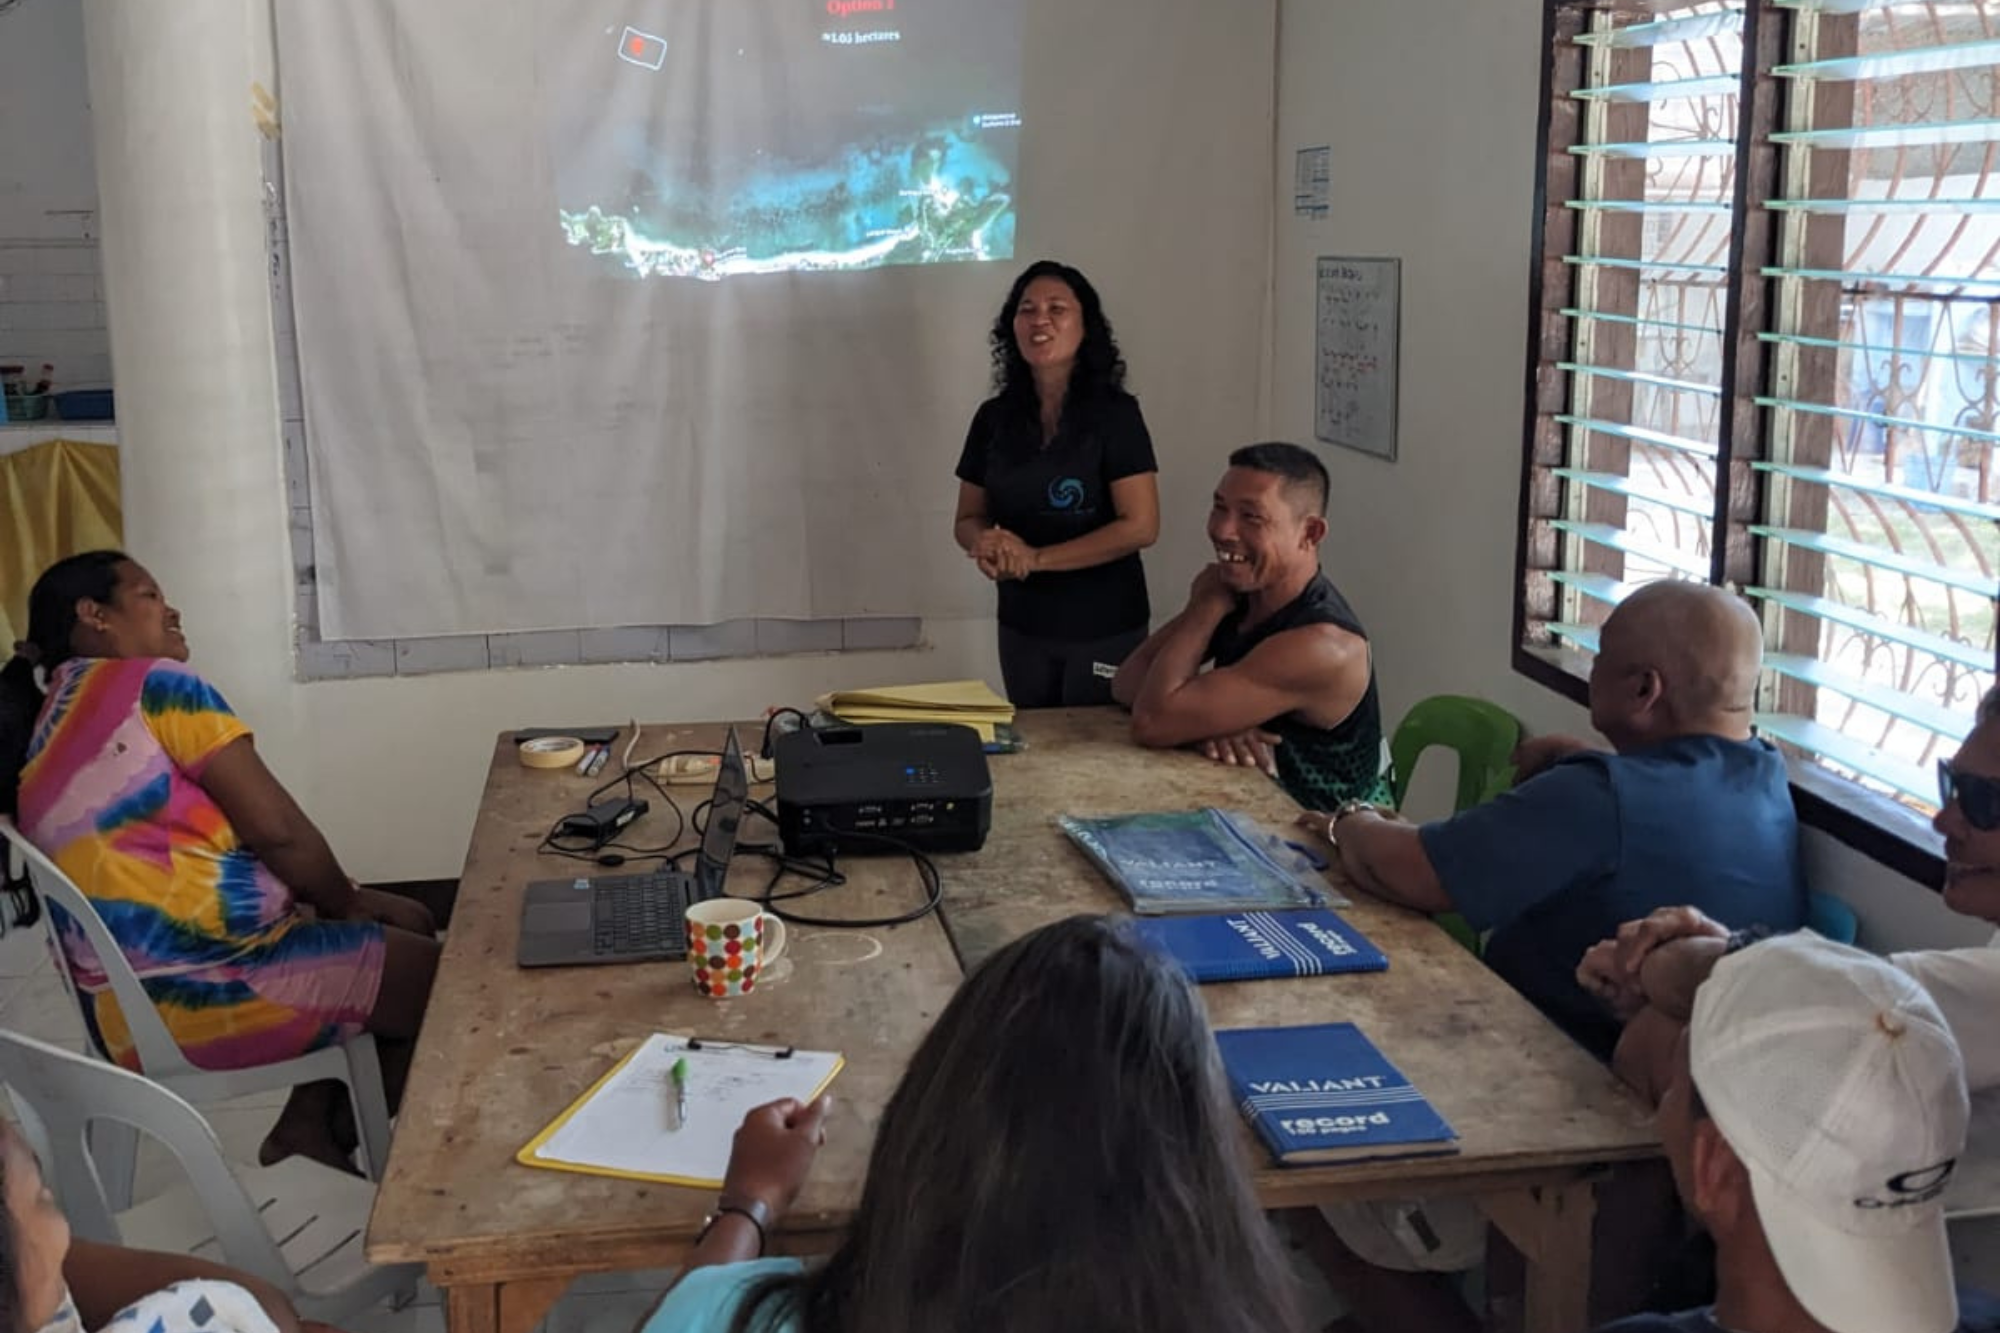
column 636, row 918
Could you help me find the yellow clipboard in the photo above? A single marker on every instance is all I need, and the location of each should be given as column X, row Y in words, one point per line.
column 625, row 1125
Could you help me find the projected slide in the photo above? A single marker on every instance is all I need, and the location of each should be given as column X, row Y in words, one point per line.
column 712, row 139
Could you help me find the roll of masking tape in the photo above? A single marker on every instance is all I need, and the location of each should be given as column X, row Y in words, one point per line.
column 551, row 752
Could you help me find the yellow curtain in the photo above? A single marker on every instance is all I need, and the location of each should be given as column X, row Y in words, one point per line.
column 56, row 499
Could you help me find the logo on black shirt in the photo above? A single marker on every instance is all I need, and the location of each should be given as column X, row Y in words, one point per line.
column 1065, row 493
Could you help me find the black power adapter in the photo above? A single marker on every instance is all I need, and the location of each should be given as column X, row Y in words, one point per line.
column 603, row 821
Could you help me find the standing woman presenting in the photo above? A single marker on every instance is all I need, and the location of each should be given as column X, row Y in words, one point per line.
column 1058, row 493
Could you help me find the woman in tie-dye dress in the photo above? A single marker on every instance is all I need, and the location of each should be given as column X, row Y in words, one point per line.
column 143, row 786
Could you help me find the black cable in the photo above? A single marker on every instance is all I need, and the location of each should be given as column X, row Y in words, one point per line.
column 597, row 847
column 608, row 855
column 764, row 745
column 584, row 847
column 820, row 877
column 824, row 876
column 927, row 875
column 828, row 875
column 644, row 770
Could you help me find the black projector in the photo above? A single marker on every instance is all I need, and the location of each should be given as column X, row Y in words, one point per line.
column 882, row 787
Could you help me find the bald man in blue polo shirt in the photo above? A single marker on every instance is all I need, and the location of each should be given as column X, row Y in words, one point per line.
column 1686, row 806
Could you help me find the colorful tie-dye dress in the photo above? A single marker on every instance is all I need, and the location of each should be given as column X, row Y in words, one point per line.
column 112, row 794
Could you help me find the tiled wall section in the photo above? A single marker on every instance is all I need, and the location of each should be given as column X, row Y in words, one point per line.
column 321, row 659
column 52, row 308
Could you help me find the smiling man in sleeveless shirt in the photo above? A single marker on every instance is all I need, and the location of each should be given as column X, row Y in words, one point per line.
column 1292, row 688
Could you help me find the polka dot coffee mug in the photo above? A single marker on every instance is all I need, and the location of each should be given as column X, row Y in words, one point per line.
column 731, row 943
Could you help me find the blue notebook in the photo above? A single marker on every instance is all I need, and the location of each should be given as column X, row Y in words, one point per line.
column 1205, row 860
column 1249, row 946
column 1323, row 1093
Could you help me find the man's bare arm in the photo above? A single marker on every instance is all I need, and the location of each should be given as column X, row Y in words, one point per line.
column 1131, row 677
column 1318, row 669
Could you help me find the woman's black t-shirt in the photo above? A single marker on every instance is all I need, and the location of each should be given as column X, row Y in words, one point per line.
column 1055, row 494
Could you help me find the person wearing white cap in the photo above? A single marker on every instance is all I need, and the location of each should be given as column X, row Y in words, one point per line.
column 1815, row 1114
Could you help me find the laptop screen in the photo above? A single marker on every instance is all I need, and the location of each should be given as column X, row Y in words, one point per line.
column 725, row 815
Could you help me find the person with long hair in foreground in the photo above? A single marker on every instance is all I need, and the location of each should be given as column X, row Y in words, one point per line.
column 1061, row 1155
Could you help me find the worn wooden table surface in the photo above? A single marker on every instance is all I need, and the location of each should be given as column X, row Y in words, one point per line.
column 504, row 1050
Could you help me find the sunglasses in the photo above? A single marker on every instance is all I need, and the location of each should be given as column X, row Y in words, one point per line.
column 1978, row 798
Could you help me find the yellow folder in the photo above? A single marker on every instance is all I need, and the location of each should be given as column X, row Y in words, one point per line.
column 969, row 703
column 948, row 696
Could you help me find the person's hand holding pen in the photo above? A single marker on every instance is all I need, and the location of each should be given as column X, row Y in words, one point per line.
column 768, row 1162
column 774, row 1150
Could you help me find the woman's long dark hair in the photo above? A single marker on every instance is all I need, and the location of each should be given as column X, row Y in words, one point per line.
column 92, row 575
column 1061, row 1155
column 1100, row 366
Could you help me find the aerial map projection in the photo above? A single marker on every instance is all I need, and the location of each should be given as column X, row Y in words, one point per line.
column 713, row 139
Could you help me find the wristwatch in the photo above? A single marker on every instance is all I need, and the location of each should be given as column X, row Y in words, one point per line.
column 1342, row 811
column 754, row 1211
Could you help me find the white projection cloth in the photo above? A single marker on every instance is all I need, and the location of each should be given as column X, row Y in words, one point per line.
column 629, row 312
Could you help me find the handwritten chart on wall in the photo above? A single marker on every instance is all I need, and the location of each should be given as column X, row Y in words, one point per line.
column 1354, row 362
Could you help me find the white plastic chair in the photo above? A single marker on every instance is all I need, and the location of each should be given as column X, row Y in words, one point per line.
column 353, row 1063
column 297, row 1225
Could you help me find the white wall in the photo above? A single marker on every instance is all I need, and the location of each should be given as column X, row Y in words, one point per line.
column 392, row 768
column 51, row 306
column 45, row 155
column 1432, row 126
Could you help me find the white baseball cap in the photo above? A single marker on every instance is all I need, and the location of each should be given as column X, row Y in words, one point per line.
column 1836, row 1082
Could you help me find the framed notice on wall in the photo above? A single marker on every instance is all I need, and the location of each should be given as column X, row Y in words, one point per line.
column 1355, row 319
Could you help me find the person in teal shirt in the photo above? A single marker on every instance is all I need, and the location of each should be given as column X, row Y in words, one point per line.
column 1061, row 1154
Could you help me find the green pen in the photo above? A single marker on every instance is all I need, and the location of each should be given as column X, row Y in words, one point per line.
column 680, row 1077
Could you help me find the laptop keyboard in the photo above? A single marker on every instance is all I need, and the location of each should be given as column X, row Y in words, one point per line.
column 639, row 914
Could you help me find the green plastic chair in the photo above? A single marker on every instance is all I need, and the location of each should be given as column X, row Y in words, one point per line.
column 1483, row 735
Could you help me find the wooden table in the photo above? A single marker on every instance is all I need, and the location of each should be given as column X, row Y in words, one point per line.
column 503, row 1050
